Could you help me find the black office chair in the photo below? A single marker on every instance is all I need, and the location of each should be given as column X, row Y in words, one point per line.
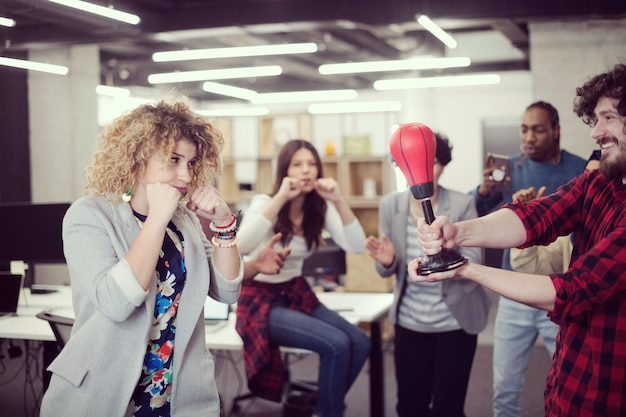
column 61, row 326
column 299, row 397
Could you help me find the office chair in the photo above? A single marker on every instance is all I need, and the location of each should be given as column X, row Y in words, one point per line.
column 297, row 395
column 61, row 326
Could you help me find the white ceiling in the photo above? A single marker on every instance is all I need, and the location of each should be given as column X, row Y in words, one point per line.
column 492, row 33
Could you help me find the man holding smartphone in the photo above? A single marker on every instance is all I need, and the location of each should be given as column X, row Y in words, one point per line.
column 540, row 163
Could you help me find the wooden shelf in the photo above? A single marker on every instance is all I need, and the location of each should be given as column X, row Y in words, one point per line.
column 351, row 172
column 363, row 203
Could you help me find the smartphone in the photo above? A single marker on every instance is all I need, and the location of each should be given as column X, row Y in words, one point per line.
column 500, row 169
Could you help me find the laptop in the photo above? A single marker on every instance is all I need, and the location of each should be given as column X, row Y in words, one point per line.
column 10, row 287
column 215, row 314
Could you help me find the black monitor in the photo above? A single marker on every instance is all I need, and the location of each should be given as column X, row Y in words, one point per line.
column 327, row 260
column 31, row 232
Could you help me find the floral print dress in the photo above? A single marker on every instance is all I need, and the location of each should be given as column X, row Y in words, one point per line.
column 151, row 397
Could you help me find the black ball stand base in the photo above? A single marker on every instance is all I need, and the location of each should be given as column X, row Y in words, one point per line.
column 445, row 260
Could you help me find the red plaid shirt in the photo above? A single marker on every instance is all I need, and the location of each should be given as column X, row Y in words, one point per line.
column 264, row 365
column 588, row 372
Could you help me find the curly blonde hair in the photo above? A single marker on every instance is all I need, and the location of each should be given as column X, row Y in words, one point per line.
column 126, row 145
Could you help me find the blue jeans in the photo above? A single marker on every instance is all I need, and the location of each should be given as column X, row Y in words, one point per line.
column 516, row 329
column 343, row 349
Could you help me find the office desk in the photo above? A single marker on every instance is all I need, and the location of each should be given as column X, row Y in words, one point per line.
column 369, row 308
column 25, row 325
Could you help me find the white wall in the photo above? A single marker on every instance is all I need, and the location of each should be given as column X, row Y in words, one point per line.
column 563, row 56
column 459, row 113
column 63, row 128
column 456, row 112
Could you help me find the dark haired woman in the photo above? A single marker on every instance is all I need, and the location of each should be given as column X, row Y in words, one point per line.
column 281, row 309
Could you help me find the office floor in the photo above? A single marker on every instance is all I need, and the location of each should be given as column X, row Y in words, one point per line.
column 478, row 403
column 20, row 385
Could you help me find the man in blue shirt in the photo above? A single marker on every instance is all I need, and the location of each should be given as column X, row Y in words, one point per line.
column 540, row 163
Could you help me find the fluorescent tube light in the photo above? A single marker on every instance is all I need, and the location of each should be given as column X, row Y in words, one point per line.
column 35, row 66
column 446, row 81
column 355, row 107
column 241, row 111
column 100, row 11
column 433, row 28
column 228, row 90
column 395, row 65
column 237, row 51
column 106, row 90
column 5, row 21
column 216, row 74
column 304, row 96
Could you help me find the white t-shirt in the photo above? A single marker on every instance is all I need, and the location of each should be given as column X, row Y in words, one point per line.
column 256, row 230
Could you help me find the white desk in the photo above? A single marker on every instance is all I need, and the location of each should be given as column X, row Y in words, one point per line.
column 28, row 327
column 354, row 307
column 368, row 308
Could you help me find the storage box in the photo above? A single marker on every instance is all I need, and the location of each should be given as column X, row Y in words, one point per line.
column 361, row 275
column 356, row 145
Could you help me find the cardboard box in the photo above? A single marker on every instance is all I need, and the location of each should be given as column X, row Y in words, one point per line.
column 361, row 275
column 356, row 145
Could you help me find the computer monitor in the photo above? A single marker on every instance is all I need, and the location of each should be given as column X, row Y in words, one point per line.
column 31, row 232
column 327, row 260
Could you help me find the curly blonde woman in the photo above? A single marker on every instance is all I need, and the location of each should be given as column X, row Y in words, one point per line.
column 141, row 264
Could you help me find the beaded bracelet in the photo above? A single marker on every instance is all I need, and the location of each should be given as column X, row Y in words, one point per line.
column 232, row 243
column 226, row 235
column 229, row 227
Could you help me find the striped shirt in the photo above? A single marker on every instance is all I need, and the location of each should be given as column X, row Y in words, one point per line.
column 423, row 308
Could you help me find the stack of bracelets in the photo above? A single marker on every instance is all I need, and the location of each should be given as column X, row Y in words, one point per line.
column 225, row 236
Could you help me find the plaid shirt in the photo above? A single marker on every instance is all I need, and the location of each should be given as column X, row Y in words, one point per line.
column 264, row 365
column 588, row 372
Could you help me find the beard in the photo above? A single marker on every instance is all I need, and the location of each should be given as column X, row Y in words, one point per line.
column 614, row 169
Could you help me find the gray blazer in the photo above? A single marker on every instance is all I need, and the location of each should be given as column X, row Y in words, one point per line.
column 468, row 302
column 99, row 368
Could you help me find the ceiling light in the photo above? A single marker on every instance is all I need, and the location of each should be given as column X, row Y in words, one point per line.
column 355, row 107
column 228, row 90
column 5, row 21
column 106, row 90
column 216, row 74
column 237, row 51
column 304, row 96
column 110, row 13
column 445, row 81
column 241, row 111
column 395, row 65
column 32, row 65
column 433, row 28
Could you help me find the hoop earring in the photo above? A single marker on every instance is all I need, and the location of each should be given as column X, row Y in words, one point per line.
column 128, row 193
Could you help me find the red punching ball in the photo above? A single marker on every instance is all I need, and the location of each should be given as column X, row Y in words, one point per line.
column 413, row 147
